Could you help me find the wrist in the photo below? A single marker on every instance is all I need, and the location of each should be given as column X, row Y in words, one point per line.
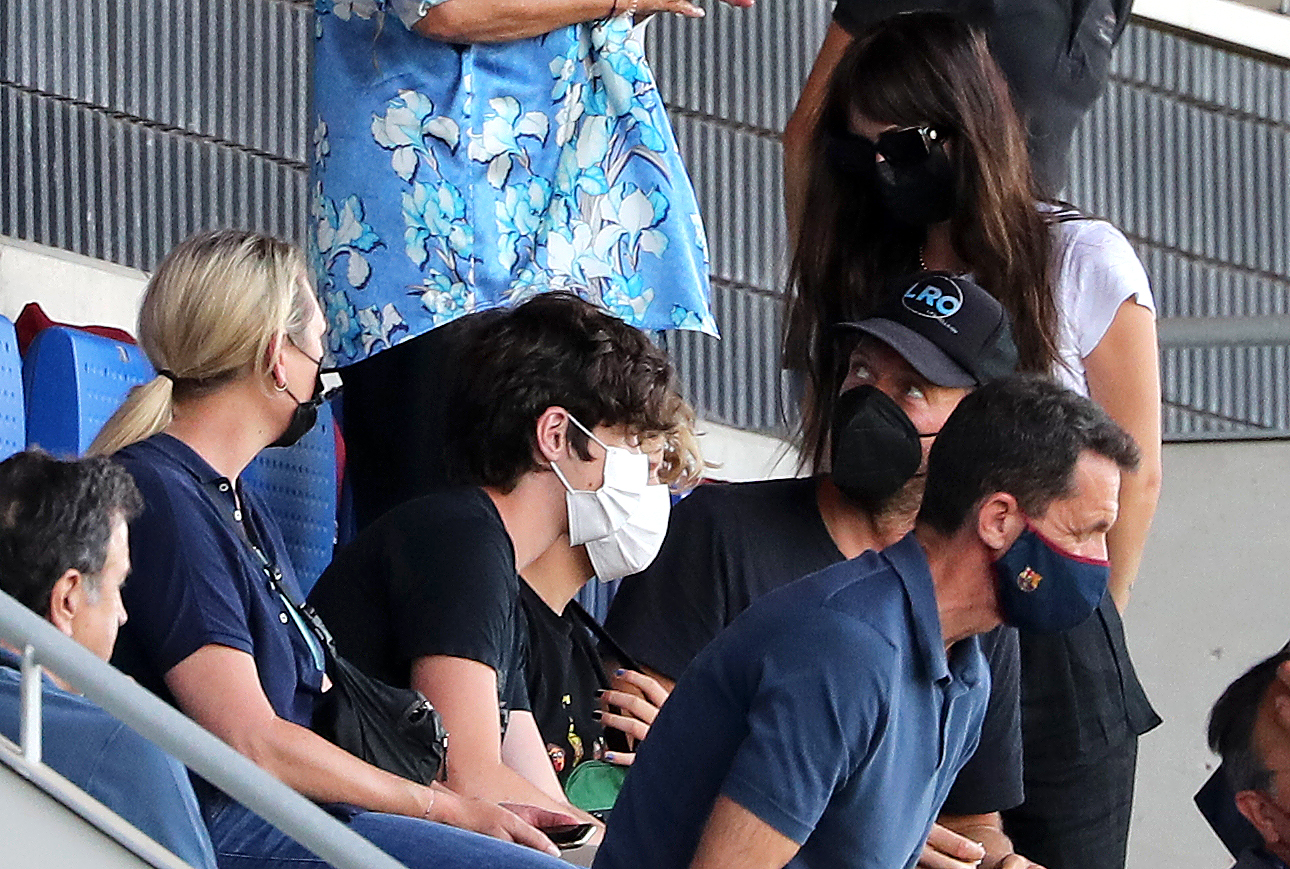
column 423, row 802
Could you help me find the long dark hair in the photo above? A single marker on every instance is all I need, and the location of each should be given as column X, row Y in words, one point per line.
column 916, row 68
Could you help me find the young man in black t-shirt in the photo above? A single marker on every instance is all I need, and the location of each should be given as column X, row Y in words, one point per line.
column 544, row 429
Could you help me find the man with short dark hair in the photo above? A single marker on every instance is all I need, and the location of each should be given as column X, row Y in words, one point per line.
column 64, row 553
column 1246, row 731
column 728, row 544
column 836, row 711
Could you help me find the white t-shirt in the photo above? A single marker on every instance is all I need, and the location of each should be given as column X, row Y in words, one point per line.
column 1097, row 271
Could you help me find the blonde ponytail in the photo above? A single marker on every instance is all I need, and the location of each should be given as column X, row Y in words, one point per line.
column 210, row 315
column 147, row 410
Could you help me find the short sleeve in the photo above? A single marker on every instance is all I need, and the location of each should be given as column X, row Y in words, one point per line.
column 453, row 588
column 183, row 592
column 991, row 781
column 815, row 708
column 1099, row 271
column 665, row 615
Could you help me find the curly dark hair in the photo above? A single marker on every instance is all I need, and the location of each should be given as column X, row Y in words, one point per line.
column 57, row 516
column 912, row 69
column 553, row 350
column 1022, row 435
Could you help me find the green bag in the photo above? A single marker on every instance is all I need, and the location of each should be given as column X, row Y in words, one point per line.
column 593, row 785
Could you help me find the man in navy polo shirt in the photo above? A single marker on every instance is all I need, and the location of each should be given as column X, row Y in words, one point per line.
column 825, row 725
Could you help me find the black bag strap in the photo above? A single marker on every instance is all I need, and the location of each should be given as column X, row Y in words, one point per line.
column 603, row 637
column 310, row 617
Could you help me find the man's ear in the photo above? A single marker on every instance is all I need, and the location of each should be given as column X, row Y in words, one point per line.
column 65, row 600
column 551, row 433
column 999, row 521
column 1262, row 813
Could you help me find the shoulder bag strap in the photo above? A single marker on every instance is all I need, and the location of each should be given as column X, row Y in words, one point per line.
column 602, row 636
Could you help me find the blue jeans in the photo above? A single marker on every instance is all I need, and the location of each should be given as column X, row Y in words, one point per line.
column 243, row 840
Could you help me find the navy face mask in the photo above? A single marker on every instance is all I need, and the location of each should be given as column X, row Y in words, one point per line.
column 1042, row 587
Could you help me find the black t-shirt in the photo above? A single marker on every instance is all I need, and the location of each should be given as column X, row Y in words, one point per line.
column 434, row 576
column 563, row 673
column 728, row 544
column 1055, row 54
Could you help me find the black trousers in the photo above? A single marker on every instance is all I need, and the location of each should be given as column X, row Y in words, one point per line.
column 1082, row 710
column 1078, row 819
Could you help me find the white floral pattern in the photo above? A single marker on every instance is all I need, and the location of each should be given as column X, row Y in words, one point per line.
column 566, row 180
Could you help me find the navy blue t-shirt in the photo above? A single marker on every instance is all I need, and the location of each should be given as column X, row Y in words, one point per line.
column 829, row 709
column 195, row 581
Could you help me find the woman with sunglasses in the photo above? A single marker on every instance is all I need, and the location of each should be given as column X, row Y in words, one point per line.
column 231, row 324
column 919, row 163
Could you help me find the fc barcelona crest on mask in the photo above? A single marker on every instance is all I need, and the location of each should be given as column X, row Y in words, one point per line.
column 1029, row 579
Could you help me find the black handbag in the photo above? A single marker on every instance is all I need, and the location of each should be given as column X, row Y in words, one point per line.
column 395, row 729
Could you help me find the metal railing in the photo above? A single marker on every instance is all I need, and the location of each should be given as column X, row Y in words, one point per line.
column 1225, row 331
column 175, row 733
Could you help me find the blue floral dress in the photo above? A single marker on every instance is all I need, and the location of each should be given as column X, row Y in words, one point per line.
column 454, row 178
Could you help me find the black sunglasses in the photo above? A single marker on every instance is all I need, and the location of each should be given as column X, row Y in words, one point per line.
column 903, row 147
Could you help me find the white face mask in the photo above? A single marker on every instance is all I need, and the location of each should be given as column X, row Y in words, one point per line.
column 633, row 547
column 624, row 521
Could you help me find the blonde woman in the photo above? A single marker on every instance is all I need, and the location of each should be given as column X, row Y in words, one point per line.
column 230, row 322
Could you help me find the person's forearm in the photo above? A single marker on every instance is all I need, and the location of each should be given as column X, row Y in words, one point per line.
column 798, row 132
column 471, row 21
column 325, row 773
column 1139, row 494
column 498, row 783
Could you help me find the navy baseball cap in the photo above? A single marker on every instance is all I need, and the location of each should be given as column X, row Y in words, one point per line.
column 948, row 329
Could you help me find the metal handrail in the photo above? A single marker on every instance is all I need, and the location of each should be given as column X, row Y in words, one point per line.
column 199, row 750
column 1224, row 331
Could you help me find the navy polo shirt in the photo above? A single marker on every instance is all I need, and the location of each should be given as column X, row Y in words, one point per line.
column 829, row 709
column 196, row 581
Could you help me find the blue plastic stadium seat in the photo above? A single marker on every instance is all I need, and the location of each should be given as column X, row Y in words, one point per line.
column 73, row 382
column 299, row 483
column 13, row 422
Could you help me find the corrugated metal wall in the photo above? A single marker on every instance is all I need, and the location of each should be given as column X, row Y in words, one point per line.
column 125, row 126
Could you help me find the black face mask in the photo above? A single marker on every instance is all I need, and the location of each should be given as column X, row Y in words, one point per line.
column 919, row 194
column 303, row 417
column 876, row 449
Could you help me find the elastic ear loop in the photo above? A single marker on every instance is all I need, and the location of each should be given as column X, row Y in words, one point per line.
column 573, row 419
column 563, row 479
column 559, row 473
